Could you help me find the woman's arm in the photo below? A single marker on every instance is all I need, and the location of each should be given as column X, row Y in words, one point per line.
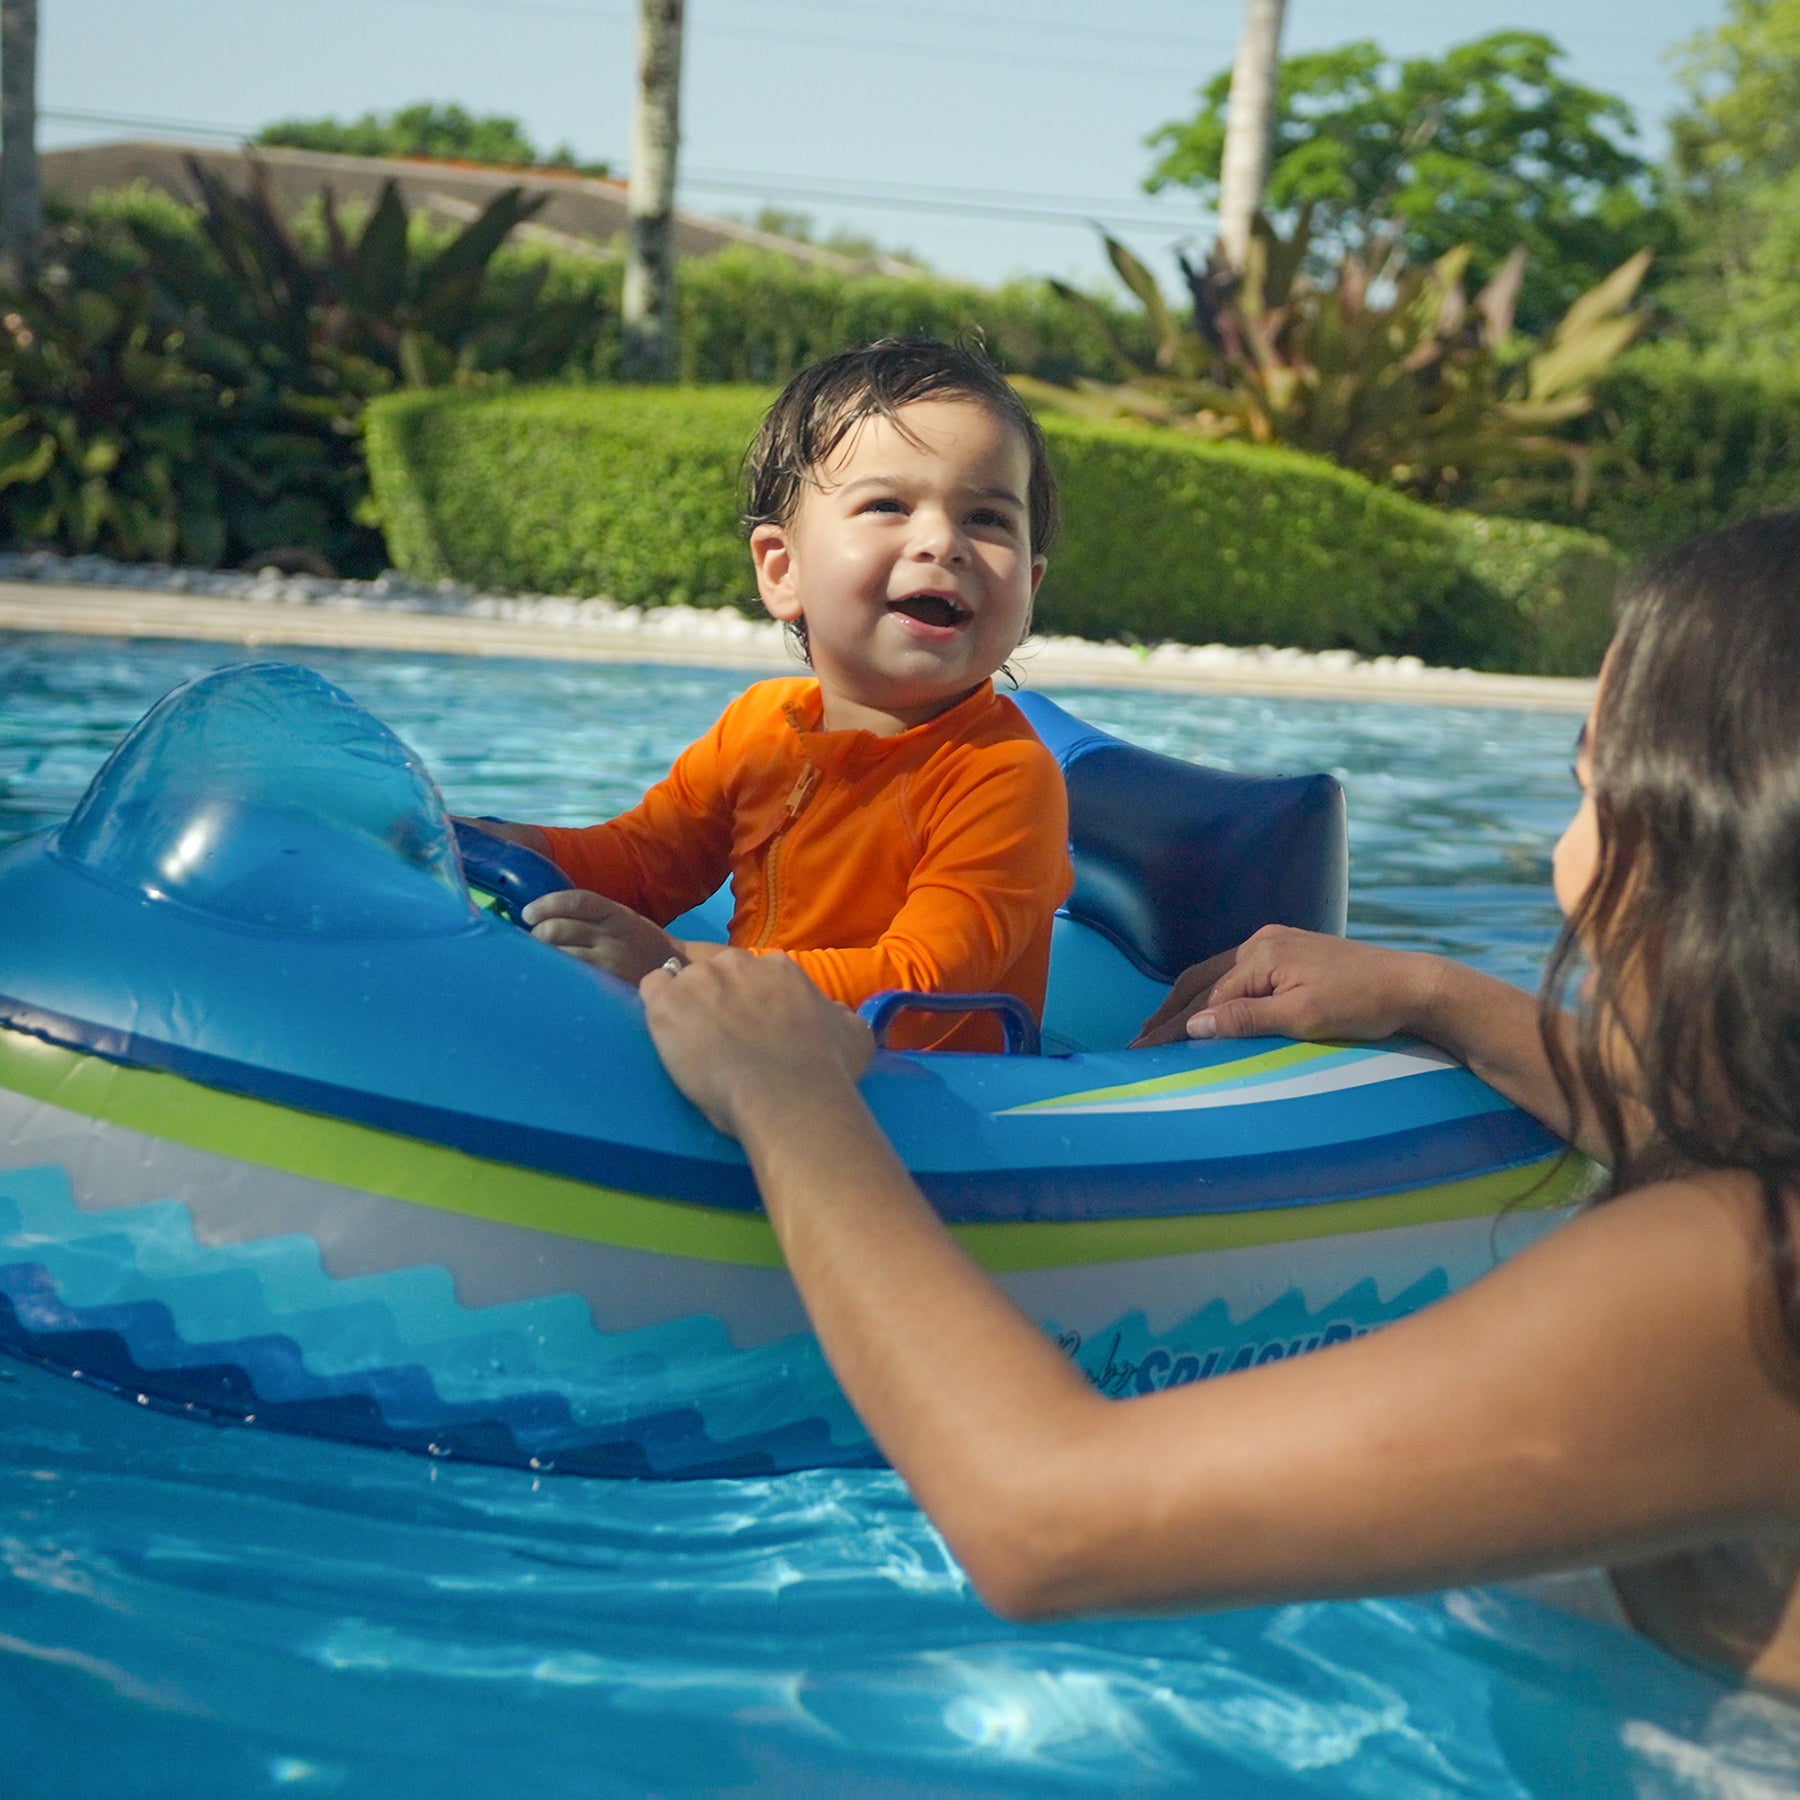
column 1601, row 1396
column 1302, row 984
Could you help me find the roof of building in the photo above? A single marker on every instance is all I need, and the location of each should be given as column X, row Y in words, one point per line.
column 582, row 213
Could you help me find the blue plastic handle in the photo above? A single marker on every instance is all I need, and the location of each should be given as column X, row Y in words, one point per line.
column 513, row 875
column 879, row 1011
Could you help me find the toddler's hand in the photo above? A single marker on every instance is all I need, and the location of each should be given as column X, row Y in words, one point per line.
column 601, row 932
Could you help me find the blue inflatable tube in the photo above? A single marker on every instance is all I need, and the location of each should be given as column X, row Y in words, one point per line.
column 296, row 1129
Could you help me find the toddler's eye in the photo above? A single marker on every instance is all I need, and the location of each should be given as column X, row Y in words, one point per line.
column 991, row 519
column 886, row 504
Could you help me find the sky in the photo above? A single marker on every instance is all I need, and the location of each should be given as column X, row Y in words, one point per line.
column 988, row 136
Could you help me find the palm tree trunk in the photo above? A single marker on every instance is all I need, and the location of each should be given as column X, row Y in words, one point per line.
column 21, row 199
column 649, row 306
column 1249, row 127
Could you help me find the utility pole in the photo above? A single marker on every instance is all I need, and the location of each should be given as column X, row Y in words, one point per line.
column 21, row 198
column 649, row 306
column 1249, row 127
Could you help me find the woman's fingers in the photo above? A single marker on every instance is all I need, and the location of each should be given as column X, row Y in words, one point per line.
column 1304, row 984
column 1246, row 1001
column 737, row 1031
column 1281, row 982
column 1192, row 986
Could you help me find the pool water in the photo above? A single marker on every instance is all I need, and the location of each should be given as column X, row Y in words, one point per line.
column 195, row 1610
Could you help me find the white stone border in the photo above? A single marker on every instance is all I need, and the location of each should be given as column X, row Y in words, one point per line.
column 91, row 596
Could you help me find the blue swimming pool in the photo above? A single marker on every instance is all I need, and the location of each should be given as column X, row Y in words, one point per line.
column 196, row 1610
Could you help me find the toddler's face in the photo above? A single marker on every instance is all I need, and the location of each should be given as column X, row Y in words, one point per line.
column 910, row 561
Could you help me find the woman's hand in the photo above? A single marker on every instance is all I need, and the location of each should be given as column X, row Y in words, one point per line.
column 741, row 1033
column 1299, row 984
column 601, row 932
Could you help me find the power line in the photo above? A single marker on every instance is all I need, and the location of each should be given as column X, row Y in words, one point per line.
column 1063, row 209
column 975, row 209
column 134, row 122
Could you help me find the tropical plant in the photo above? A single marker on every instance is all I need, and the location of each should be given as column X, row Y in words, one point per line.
column 98, row 435
column 193, row 385
column 1390, row 370
column 370, row 296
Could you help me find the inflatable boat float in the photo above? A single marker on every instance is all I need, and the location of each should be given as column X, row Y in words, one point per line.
column 297, row 1130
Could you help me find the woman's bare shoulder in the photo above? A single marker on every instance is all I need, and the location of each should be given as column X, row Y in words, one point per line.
column 1669, row 1295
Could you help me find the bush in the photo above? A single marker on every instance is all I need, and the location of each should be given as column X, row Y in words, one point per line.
column 1684, row 444
column 190, row 384
column 629, row 492
column 755, row 316
column 633, row 493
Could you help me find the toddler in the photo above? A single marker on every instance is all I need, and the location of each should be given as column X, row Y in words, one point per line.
column 890, row 821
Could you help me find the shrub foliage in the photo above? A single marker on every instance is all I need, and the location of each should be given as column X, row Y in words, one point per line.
column 190, row 385
column 1684, row 444
column 634, row 494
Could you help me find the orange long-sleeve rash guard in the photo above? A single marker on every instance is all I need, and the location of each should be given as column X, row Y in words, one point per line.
column 933, row 860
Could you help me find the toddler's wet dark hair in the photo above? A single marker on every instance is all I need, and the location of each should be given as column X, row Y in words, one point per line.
column 826, row 401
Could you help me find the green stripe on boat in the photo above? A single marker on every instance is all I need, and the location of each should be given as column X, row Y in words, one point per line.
column 1188, row 1081
column 400, row 1168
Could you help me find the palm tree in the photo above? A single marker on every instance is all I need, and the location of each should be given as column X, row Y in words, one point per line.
column 21, row 199
column 1249, row 127
column 649, row 304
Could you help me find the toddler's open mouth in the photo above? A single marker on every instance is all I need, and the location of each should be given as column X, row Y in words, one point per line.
column 944, row 611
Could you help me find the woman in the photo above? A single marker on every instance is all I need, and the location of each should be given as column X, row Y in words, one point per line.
column 1625, row 1393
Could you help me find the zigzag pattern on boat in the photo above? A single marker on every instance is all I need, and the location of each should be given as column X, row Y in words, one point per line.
column 262, row 1327
column 261, row 1331
column 668, row 1444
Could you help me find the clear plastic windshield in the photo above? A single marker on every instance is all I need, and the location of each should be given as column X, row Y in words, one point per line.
column 267, row 797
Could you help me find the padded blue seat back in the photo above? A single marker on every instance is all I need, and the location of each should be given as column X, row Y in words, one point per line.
column 1174, row 863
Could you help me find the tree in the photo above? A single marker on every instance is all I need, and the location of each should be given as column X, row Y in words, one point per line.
column 21, row 197
column 448, row 133
column 1487, row 146
column 1249, row 128
column 649, row 299
column 1735, row 153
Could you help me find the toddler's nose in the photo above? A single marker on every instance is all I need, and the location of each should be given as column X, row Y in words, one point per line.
column 935, row 537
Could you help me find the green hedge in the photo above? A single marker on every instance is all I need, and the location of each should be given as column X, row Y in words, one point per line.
column 633, row 493
column 1684, row 444
column 629, row 491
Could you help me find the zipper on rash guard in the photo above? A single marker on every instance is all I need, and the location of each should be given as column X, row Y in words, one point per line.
column 797, row 798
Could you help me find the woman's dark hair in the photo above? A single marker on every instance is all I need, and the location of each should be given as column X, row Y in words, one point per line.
column 827, row 400
column 1691, row 924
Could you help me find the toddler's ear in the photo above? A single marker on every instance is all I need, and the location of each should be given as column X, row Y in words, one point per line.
column 1038, row 566
column 773, row 558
